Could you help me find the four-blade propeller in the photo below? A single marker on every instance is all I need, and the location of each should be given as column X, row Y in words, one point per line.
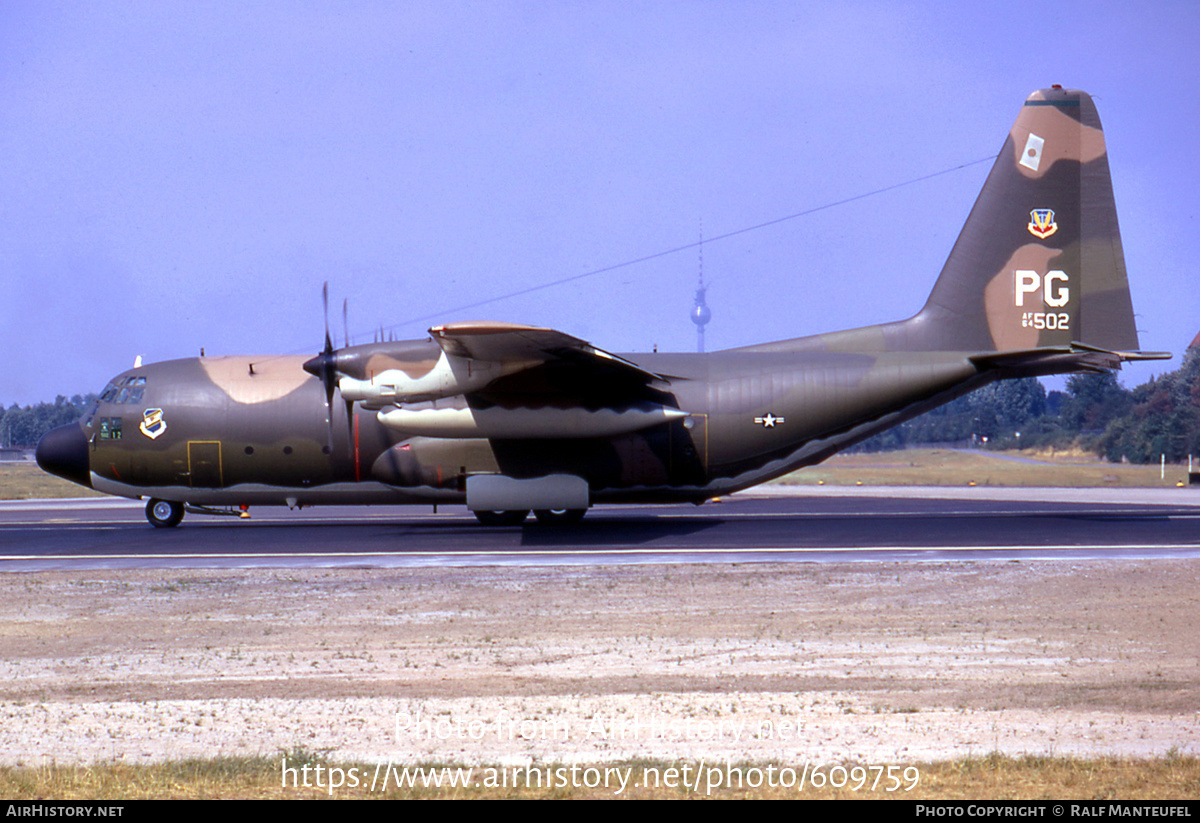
column 324, row 365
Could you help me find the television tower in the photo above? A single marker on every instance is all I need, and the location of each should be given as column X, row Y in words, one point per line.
column 701, row 313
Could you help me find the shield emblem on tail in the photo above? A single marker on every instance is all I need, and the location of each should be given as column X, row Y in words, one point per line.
column 1041, row 223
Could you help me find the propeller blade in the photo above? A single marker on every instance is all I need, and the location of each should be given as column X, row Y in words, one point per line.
column 324, row 365
column 325, row 305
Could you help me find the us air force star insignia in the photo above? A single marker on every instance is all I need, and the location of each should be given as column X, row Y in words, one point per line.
column 153, row 424
column 768, row 421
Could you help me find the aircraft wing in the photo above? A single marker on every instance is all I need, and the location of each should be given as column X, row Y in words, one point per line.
column 524, row 382
column 513, row 343
column 495, row 364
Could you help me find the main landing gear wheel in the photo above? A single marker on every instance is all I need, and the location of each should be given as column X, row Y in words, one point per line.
column 164, row 514
column 559, row 517
column 504, row 518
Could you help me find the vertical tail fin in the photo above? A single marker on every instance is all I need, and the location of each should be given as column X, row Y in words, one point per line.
column 1039, row 262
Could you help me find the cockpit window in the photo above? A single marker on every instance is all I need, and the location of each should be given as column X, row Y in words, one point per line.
column 126, row 390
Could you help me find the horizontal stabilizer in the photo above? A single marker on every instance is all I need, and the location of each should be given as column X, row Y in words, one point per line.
column 1060, row 359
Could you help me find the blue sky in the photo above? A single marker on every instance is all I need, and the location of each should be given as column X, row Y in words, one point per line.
column 178, row 175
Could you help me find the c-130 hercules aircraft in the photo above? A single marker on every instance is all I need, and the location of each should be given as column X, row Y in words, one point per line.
column 510, row 418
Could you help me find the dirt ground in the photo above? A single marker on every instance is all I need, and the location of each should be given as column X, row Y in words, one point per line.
column 895, row 663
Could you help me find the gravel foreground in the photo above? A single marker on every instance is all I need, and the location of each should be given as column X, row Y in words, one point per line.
column 874, row 663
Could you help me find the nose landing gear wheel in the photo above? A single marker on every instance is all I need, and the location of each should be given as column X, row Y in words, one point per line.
column 560, row 517
column 502, row 518
column 164, row 514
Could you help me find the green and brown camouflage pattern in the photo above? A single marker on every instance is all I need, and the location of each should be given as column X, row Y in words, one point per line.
column 1035, row 284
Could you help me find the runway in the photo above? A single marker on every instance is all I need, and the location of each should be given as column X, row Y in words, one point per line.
column 898, row 624
column 774, row 524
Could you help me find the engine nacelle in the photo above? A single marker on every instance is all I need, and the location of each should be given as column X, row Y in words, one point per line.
column 449, row 376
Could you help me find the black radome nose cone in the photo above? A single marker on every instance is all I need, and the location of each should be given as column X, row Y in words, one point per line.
column 64, row 452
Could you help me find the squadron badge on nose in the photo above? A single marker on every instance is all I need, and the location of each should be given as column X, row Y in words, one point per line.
column 153, row 424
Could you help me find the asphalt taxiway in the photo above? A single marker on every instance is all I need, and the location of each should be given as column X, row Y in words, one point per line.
column 773, row 524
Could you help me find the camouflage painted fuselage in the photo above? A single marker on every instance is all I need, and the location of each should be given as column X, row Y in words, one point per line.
column 233, row 437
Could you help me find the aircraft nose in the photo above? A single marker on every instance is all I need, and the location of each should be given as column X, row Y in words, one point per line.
column 64, row 452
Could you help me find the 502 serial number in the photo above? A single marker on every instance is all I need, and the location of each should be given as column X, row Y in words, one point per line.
column 1045, row 320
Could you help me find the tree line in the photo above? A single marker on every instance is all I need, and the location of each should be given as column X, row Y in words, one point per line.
column 1095, row 413
column 1161, row 417
column 23, row 426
